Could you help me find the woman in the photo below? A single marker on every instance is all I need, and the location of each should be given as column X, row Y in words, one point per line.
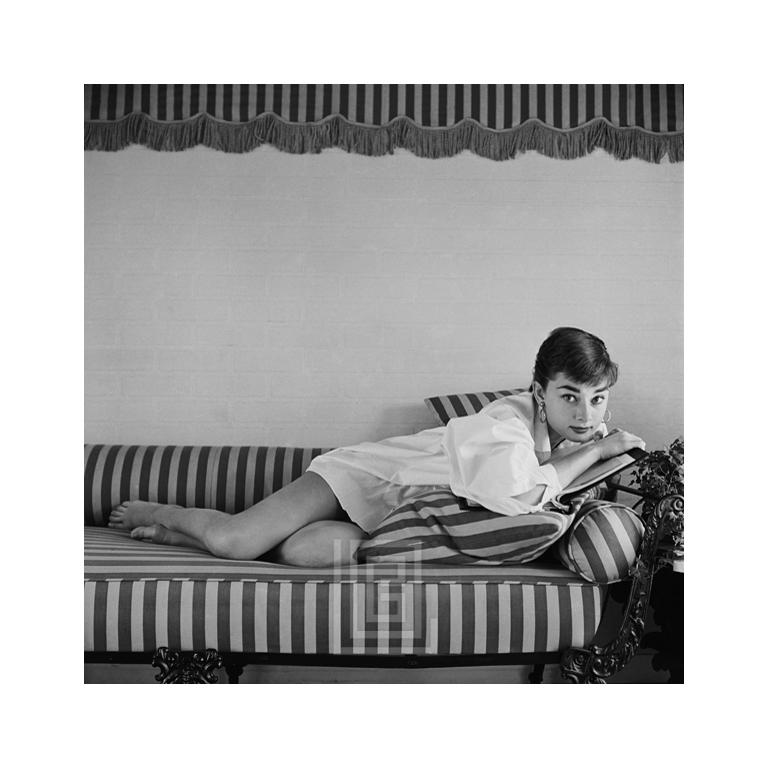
column 512, row 457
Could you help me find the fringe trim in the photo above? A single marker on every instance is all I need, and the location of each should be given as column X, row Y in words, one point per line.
column 402, row 132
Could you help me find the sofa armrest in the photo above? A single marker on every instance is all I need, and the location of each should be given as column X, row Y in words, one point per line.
column 598, row 662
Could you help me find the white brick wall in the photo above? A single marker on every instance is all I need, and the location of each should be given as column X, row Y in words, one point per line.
column 268, row 298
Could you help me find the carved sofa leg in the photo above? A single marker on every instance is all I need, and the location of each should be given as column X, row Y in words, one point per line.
column 233, row 670
column 597, row 663
column 186, row 667
column 537, row 674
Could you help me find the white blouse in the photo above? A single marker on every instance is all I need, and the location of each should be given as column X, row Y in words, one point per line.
column 490, row 457
column 495, row 456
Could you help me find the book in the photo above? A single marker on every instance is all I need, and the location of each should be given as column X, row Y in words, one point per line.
column 595, row 475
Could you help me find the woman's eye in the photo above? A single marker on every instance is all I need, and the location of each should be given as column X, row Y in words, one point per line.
column 569, row 398
column 599, row 399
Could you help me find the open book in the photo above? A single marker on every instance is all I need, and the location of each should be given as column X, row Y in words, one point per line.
column 598, row 472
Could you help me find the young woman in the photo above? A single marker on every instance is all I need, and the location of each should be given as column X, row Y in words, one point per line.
column 512, row 457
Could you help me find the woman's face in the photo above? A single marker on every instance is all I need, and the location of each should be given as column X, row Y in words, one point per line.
column 574, row 411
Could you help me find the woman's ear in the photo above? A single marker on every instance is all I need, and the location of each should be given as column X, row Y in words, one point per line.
column 538, row 392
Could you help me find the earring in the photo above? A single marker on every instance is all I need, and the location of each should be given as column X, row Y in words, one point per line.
column 542, row 414
column 608, row 416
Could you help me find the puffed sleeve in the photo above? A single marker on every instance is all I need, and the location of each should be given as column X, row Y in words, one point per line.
column 491, row 461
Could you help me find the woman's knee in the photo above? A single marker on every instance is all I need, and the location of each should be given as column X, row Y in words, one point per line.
column 222, row 539
column 321, row 544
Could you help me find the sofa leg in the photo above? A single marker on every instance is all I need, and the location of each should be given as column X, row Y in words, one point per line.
column 537, row 675
column 233, row 671
column 576, row 666
column 186, row 667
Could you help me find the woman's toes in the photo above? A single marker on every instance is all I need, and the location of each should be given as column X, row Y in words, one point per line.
column 130, row 514
column 144, row 532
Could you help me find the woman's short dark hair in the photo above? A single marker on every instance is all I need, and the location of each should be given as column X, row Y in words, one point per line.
column 581, row 356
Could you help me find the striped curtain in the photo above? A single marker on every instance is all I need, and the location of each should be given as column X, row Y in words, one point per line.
column 493, row 121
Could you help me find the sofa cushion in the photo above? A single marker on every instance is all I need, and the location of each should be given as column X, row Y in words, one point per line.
column 217, row 477
column 140, row 596
column 447, row 407
column 603, row 542
column 438, row 527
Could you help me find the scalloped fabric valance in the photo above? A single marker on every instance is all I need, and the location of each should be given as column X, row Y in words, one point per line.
column 493, row 121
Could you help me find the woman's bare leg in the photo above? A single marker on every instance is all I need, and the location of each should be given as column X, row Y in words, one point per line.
column 322, row 544
column 250, row 533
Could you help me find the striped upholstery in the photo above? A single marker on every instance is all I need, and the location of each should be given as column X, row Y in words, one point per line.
column 220, row 477
column 140, row 596
column 603, row 542
column 656, row 108
column 446, row 407
column 438, row 527
column 495, row 120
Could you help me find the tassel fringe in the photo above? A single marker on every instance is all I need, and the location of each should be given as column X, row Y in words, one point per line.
column 402, row 132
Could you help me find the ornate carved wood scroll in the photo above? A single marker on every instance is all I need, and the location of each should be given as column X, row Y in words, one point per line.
column 596, row 663
column 186, row 667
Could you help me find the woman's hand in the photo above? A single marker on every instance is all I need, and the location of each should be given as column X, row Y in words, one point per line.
column 618, row 441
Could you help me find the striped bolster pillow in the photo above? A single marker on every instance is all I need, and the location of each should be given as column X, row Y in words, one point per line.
column 447, row 407
column 437, row 527
column 603, row 542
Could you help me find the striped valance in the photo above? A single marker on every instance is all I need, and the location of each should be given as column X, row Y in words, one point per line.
column 494, row 121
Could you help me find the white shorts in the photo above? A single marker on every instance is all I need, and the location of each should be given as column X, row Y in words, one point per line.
column 366, row 498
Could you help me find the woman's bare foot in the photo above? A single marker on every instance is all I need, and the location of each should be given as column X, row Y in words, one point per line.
column 159, row 534
column 131, row 514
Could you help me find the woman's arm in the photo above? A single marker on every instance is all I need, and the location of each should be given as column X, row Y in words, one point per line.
column 493, row 461
column 571, row 465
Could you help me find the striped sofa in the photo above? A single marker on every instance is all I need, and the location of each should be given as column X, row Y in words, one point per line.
column 189, row 613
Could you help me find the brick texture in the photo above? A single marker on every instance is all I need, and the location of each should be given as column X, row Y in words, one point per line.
column 316, row 299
